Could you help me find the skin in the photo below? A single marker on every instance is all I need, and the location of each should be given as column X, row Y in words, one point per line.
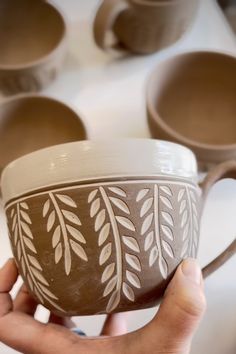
column 170, row 332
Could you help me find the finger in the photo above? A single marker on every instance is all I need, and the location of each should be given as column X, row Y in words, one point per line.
column 181, row 310
column 115, row 325
column 8, row 277
column 62, row 321
column 24, row 302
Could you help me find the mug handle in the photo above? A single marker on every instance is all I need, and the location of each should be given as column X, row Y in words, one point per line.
column 105, row 18
column 223, row 170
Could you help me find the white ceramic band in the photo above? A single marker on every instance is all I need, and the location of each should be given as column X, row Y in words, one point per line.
column 86, row 160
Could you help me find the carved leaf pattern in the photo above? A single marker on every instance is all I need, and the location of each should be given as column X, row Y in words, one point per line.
column 66, row 237
column 189, row 221
column 111, row 213
column 26, row 255
column 156, row 208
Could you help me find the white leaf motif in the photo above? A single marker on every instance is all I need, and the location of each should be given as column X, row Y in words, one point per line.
column 117, row 191
column 95, row 207
column 34, row 262
column 131, row 242
column 104, row 233
column 25, row 216
column 163, row 267
column 166, row 202
column 125, row 222
column 76, row 234
column 67, row 259
column 168, row 248
column 182, row 206
column 51, row 221
column 166, row 190
column 146, row 206
column 105, row 254
column 47, row 292
column 184, row 218
column 185, row 233
column 24, row 206
column 148, row 241
column 110, row 286
column 71, row 217
column 142, row 194
column 184, row 253
column 113, row 302
column 46, row 208
column 120, row 204
column 108, row 272
column 181, row 194
column 167, row 232
column 27, row 230
column 168, row 218
column 78, row 250
column 128, row 292
column 39, row 276
column 58, row 253
column 56, row 236
column 153, row 256
column 147, row 223
column 92, row 195
column 133, row 261
column 100, row 219
column 29, row 244
column 66, row 200
column 133, row 279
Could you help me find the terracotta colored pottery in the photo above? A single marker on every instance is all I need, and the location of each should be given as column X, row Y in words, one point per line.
column 191, row 99
column 143, row 26
column 32, row 44
column 95, row 230
column 31, row 122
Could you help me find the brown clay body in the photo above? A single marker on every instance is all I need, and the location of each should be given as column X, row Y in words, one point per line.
column 31, row 122
column 86, row 245
column 32, row 45
column 144, row 26
column 191, row 99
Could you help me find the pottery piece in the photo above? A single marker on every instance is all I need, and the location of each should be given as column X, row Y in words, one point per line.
column 191, row 100
column 32, row 45
column 31, row 122
column 143, row 26
column 229, row 7
column 95, row 230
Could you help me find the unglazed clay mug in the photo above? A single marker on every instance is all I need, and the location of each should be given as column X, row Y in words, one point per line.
column 191, row 100
column 95, row 230
column 143, row 26
column 32, row 45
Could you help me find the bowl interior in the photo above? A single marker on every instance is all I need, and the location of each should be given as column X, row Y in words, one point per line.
column 195, row 95
column 31, row 123
column 29, row 30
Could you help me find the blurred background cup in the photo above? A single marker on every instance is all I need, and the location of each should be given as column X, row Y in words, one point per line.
column 32, row 45
column 143, row 26
column 30, row 122
column 191, row 99
column 229, row 8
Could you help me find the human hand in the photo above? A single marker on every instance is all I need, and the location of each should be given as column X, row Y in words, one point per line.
column 170, row 331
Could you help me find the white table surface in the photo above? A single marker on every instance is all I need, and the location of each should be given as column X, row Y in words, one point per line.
column 109, row 94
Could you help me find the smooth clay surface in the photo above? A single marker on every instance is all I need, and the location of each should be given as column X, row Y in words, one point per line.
column 29, row 123
column 192, row 100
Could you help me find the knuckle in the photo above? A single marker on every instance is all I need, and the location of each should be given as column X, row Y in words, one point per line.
column 193, row 307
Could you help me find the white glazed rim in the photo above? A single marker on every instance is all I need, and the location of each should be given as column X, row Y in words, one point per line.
column 98, row 159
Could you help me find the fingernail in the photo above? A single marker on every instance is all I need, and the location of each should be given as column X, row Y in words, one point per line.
column 192, row 271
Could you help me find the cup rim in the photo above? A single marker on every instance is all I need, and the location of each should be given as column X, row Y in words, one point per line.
column 100, row 159
column 172, row 133
column 44, row 58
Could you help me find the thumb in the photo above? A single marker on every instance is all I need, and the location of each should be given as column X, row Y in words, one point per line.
column 181, row 310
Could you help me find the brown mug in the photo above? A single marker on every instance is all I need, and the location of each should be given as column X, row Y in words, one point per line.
column 187, row 96
column 32, row 45
column 143, row 26
column 95, row 230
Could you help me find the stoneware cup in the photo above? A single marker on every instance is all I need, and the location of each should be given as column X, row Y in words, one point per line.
column 32, row 44
column 191, row 99
column 143, row 26
column 95, row 230
column 31, row 122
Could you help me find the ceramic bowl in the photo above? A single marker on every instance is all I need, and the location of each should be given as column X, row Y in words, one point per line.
column 95, row 230
column 191, row 99
column 31, row 122
column 32, row 45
